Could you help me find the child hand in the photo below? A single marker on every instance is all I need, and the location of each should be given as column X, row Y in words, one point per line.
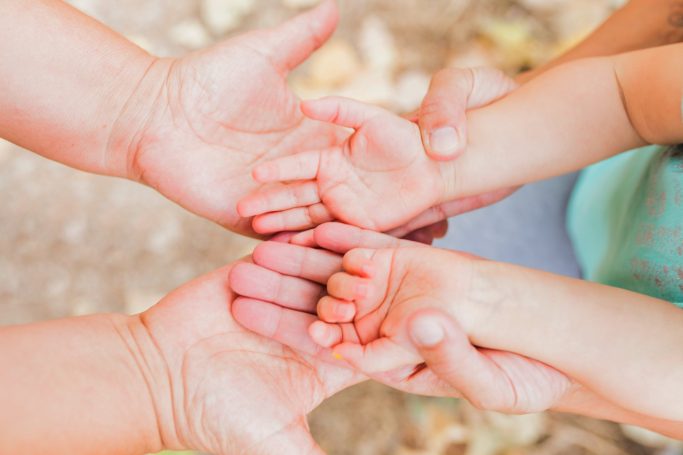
column 377, row 293
column 380, row 178
column 377, row 317
column 492, row 380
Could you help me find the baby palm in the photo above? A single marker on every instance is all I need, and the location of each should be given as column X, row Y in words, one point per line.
column 379, row 179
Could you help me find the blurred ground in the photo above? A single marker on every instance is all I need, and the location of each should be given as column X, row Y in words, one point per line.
column 74, row 244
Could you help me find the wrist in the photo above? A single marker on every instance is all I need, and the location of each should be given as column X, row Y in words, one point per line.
column 144, row 92
column 450, row 181
column 149, row 380
column 494, row 304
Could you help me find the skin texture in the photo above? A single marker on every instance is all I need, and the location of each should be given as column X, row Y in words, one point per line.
column 491, row 379
column 201, row 137
column 640, row 24
column 182, row 375
column 383, row 158
column 280, row 296
column 191, row 127
column 380, row 289
column 384, row 179
column 230, row 391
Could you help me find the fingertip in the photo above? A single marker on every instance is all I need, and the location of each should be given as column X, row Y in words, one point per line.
column 283, row 237
column 306, row 238
column 261, row 253
column 252, row 205
column 329, row 10
column 236, row 277
column 335, row 311
column 312, row 109
column 263, row 173
column 325, row 233
column 324, row 334
column 269, row 223
column 359, row 262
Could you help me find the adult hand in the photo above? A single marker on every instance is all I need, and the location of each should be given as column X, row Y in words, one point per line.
column 218, row 112
column 498, row 381
column 221, row 389
column 443, row 114
column 489, row 379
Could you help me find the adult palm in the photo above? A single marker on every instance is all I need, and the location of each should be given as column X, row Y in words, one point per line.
column 224, row 390
column 218, row 112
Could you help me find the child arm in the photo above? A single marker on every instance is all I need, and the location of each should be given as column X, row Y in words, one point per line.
column 492, row 383
column 572, row 116
column 623, row 345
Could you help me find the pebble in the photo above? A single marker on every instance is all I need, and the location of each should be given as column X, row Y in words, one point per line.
column 334, row 65
column 377, row 45
column 190, row 34
column 221, row 16
column 298, row 4
column 650, row 438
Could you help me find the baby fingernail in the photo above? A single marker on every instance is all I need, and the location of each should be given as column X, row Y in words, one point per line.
column 444, row 141
column 427, row 332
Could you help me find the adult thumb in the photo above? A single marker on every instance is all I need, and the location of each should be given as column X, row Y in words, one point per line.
column 447, row 351
column 443, row 114
column 291, row 43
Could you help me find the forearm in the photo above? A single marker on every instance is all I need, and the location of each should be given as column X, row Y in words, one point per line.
column 562, row 121
column 638, row 25
column 79, row 385
column 581, row 401
column 65, row 79
column 622, row 345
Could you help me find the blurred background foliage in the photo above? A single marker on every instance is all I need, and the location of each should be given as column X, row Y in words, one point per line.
column 75, row 244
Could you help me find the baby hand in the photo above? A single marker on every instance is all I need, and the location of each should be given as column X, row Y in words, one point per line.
column 287, row 276
column 377, row 293
column 379, row 179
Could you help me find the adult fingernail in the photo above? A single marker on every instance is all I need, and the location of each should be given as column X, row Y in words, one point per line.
column 444, row 141
column 427, row 332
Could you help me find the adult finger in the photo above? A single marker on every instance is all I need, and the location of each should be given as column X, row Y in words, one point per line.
column 291, row 43
column 448, row 352
column 443, row 119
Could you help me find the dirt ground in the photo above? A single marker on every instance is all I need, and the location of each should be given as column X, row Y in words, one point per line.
column 73, row 243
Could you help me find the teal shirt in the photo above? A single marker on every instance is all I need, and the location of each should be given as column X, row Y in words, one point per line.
column 625, row 219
